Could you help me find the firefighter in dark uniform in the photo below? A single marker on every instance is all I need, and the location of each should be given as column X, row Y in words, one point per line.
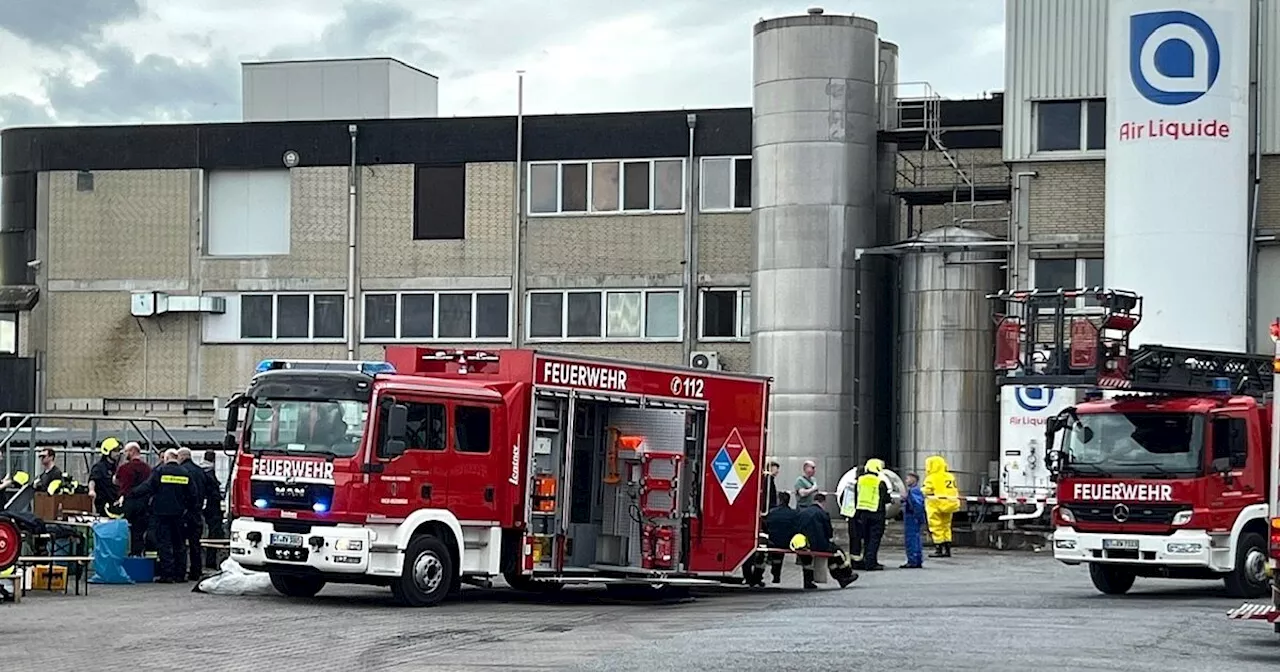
column 102, row 484
column 195, row 518
column 781, row 524
column 213, row 526
column 174, row 499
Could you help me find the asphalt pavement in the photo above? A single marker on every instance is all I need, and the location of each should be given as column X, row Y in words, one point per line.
column 980, row 610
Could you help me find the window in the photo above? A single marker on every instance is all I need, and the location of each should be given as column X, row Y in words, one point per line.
column 1069, row 274
column 1071, row 125
column 471, row 429
column 726, row 183
column 440, row 202
column 438, row 316
column 424, row 427
column 247, row 213
column 1231, row 441
column 8, row 333
column 285, row 318
column 592, row 314
column 594, row 187
column 725, row 314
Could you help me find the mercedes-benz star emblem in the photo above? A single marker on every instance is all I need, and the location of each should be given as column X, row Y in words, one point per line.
column 1120, row 513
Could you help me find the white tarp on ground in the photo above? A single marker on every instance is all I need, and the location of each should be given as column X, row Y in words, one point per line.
column 236, row 580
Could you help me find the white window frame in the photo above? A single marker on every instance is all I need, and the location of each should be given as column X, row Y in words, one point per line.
column 604, row 315
column 275, row 319
column 590, row 212
column 435, row 316
column 742, row 299
column 733, row 183
column 1080, row 308
column 1081, row 150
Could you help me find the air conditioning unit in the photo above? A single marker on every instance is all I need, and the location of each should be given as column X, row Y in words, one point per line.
column 705, row 359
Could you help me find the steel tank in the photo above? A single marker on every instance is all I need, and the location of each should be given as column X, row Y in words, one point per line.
column 947, row 395
column 814, row 167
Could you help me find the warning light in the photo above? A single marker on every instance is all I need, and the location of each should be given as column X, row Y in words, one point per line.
column 1222, row 385
column 1275, row 330
column 369, row 368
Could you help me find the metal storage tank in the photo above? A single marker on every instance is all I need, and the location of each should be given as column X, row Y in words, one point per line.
column 814, row 159
column 947, row 389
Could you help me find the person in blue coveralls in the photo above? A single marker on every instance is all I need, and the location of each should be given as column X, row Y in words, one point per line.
column 913, row 520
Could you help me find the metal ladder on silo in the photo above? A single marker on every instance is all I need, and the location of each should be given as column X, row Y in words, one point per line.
column 923, row 112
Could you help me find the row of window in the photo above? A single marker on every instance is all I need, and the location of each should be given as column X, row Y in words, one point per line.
column 550, row 315
column 249, row 211
column 1068, row 274
column 1071, row 125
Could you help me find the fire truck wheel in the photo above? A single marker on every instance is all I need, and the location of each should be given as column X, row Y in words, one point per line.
column 428, row 576
column 1249, row 581
column 296, row 586
column 1111, row 580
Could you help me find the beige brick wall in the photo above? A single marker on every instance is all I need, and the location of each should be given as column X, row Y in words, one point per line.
column 724, row 244
column 928, row 217
column 1269, row 196
column 605, row 245
column 931, row 168
column 1066, row 197
column 133, row 224
column 317, row 235
column 388, row 249
column 734, row 357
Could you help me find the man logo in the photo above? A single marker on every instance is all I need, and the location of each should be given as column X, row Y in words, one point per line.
column 1173, row 56
column 1033, row 399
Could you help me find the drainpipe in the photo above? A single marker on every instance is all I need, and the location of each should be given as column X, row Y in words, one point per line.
column 690, row 248
column 517, row 237
column 353, row 312
column 1255, row 118
column 1016, row 221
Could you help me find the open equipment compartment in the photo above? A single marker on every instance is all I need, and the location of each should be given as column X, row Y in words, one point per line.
column 614, row 482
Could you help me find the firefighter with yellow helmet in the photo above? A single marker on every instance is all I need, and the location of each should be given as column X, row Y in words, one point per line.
column 102, row 486
column 870, row 496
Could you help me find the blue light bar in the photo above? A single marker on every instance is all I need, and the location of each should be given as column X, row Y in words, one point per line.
column 319, row 507
column 369, row 368
column 1222, row 385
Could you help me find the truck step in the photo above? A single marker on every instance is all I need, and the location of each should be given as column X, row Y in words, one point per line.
column 1255, row 612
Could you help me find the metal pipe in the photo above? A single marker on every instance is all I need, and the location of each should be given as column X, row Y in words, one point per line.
column 517, row 235
column 1255, row 114
column 690, row 250
column 353, row 308
column 1015, row 228
column 940, row 246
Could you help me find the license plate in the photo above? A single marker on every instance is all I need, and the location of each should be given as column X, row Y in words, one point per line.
column 1120, row 544
column 280, row 539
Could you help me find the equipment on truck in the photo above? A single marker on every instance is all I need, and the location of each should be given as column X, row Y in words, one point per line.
column 444, row 466
column 1169, row 478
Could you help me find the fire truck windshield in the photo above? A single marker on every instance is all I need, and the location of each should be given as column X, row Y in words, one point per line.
column 290, row 426
column 1155, row 445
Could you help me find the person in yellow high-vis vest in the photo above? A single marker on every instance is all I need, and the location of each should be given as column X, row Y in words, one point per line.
column 870, row 496
column 941, row 501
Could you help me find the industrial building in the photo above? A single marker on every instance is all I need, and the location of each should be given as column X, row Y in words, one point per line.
column 840, row 234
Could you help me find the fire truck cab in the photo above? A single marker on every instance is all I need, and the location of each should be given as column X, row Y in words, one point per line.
column 1165, row 470
column 440, row 467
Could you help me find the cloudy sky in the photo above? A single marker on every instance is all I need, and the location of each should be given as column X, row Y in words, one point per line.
column 117, row 61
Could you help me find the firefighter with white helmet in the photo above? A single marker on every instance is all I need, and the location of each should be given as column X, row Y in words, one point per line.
column 102, row 486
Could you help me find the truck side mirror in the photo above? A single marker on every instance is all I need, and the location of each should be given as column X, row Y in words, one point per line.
column 229, row 444
column 394, row 433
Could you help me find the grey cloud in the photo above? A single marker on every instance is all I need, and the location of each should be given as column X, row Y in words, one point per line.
column 370, row 28
column 156, row 87
column 18, row 110
column 64, row 23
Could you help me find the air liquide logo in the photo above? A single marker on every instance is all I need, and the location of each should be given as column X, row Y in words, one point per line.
column 1033, row 399
column 1174, row 59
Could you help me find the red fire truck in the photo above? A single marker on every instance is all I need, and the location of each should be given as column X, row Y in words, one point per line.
column 441, row 466
column 1174, row 473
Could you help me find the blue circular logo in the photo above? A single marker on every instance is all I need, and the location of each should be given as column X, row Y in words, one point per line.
column 1174, row 56
column 1033, row 399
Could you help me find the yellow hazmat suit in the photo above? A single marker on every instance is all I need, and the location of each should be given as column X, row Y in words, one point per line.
column 941, row 498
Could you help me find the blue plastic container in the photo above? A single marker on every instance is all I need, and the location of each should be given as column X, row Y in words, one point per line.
column 141, row 570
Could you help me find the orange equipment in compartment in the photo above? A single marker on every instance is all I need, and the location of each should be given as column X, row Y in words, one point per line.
column 618, row 442
column 544, row 493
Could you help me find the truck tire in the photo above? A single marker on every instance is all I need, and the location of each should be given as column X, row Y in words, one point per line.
column 296, row 586
column 1111, row 580
column 428, row 576
column 1249, row 580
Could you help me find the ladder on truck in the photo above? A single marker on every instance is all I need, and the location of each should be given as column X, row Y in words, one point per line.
column 1044, row 337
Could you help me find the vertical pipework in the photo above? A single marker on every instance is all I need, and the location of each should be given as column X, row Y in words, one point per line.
column 353, row 312
column 690, row 247
column 1255, row 120
column 517, row 235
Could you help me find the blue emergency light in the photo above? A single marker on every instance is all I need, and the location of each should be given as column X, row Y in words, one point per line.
column 319, row 507
column 1222, row 385
column 369, row 368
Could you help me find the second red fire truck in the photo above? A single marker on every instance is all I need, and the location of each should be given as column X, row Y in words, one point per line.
column 1175, row 474
column 440, row 467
